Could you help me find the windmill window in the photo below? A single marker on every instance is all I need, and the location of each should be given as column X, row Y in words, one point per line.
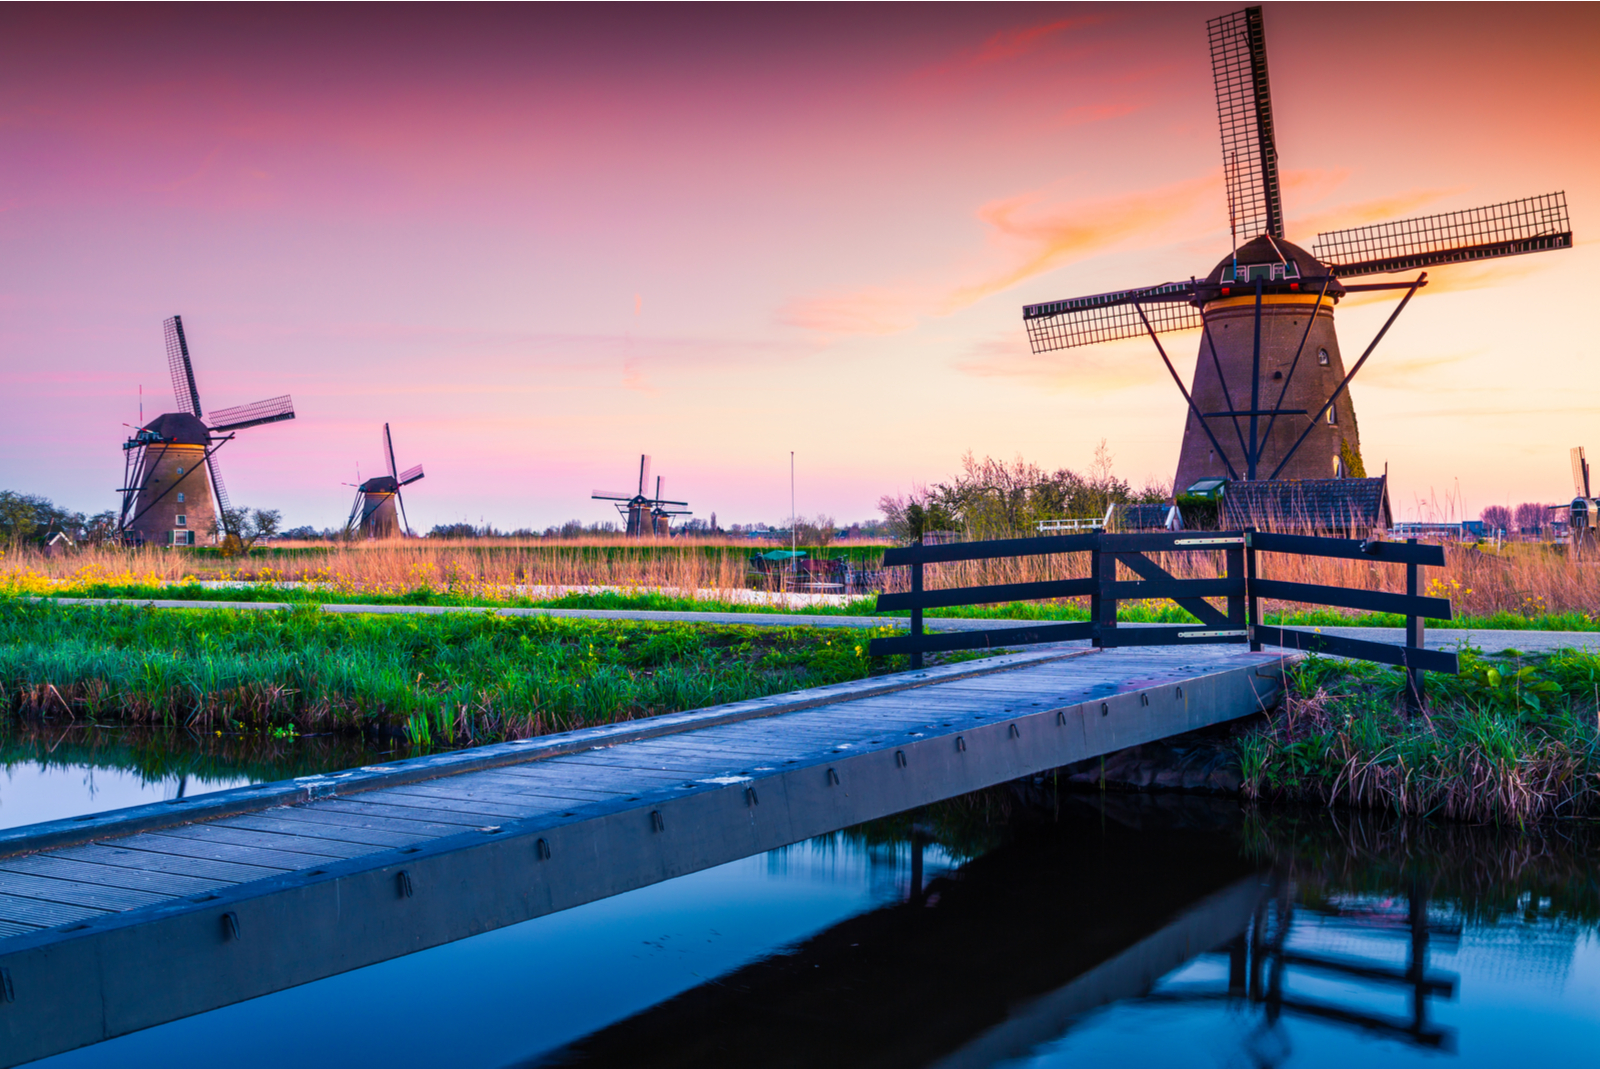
column 183, row 521
column 180, row 497
column 1322, row 357
column 180, row 471
column 1333, row 414
column 1338, row 467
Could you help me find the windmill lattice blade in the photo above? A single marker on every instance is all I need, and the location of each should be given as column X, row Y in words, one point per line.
column 271, row 410
column 1533, row 224
column 178, row 363
column 613, row 495
column 388, row 452
column 1580, row 473
column 644, row 473
column 219, row 492
column 1244, row 109
column 409, row 476
column 1109, row 316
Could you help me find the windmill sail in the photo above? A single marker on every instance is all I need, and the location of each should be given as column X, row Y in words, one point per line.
column 388, row 453
column 1244, row 109
column 1110, row 316
column 182, row 370
column 219, row 492
column 271, row 410
column 410, row 475
column 1580, row 473
column 1533, row 224
column 644, row 473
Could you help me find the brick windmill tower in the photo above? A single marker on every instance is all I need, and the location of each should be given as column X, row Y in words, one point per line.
column 374, row 511
column 172, row 489
column 1269, row 399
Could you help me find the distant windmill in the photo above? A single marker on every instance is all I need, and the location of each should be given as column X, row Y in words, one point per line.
column 645, row 515
column 165, row 497
column 373, row 513
column 1278, row 382
column 1583, row 517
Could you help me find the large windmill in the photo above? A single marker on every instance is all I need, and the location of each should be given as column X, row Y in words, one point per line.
column 645, row 515
column 373, row 513
column 166, row 495
column 1269, row 398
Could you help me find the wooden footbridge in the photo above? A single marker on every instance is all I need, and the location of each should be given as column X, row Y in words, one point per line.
column 120, row 921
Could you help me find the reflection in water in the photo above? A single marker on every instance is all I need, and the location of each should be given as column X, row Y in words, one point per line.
column 997, row 931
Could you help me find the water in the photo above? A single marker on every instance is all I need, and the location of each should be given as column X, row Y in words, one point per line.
column 1129, row 930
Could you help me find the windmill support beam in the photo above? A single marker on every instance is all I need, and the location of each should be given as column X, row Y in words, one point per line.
column 1421, row 281
column 1232, row 474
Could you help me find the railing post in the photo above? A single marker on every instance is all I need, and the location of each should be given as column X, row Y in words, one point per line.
column 916, row 613
column 1236, row 602
column 1251, row 602
column 1102, row 603
column 1415, row 638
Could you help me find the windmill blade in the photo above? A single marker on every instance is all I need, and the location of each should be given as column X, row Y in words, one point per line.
column 355, row 511
column 272, row 410
column 182, row 369
column 400, row 499
column 220, row 493
column 1244, row 109
column 644, row 473
column 409, row 476
column 1533, row 224
column 1580, row 473
column 613, row 495
column 388, row 453
column 1110, row 316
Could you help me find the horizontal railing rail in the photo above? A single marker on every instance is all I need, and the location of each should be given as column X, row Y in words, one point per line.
column 1241, row 588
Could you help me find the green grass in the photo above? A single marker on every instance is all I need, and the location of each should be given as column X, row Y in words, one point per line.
column 862, row 606
column 1508, row 740
column 461, row 677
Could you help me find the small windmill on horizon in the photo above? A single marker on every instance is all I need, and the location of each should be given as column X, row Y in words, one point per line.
column 1270, row 395
column 166, row 495
column 644, row 515
column 373, row 513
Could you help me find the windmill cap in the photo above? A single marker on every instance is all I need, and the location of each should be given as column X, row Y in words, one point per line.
column 179, row 428
column 380, row 484
column 1265, row 250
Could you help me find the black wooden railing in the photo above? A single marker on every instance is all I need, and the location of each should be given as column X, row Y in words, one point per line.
column 1240, row 585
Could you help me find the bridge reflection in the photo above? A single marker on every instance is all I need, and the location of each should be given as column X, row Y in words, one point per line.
column 1014, row 950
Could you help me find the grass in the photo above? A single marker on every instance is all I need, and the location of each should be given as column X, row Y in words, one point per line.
column 1508, row 741
column 457, row 678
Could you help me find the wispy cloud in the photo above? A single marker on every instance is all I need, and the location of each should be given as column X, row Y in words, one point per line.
column 1099, row 370
column 1027, row 235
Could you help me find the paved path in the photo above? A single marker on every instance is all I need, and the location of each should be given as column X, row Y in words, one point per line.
column 119, row 921
column 1489, row 641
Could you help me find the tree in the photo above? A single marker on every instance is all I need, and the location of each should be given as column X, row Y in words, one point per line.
column 1531, row 518
column 1496, row 518
column 243, row 527
column 815, row 532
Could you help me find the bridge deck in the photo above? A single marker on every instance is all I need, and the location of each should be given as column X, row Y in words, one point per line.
column 120, row 921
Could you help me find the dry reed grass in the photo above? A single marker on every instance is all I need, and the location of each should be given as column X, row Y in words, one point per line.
column 1522, row 579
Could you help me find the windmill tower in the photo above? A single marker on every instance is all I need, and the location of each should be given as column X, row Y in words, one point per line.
column 373, row 513
column 172, row 490
column 645, row 516
column 1269, row 398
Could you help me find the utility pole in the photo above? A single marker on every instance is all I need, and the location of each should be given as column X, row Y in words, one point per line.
column 794, row 533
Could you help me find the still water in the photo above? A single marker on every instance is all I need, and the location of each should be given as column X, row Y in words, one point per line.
column 1011, row 930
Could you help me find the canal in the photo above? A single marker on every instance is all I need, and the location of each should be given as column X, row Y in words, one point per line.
column 1017, row 928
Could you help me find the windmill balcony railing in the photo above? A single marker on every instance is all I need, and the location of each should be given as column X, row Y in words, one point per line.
column 1240, row 586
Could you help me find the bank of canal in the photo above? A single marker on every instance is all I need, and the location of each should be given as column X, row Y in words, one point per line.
column 1015, row 928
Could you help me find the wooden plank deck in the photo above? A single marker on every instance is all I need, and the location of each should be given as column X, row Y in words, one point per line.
column 120, row 921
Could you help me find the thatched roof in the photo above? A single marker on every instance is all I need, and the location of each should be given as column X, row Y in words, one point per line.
column 1335, row 506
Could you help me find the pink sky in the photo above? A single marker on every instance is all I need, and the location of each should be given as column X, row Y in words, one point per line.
column 540, row 241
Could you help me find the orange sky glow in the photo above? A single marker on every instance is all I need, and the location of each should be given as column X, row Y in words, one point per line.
column 540, row 241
